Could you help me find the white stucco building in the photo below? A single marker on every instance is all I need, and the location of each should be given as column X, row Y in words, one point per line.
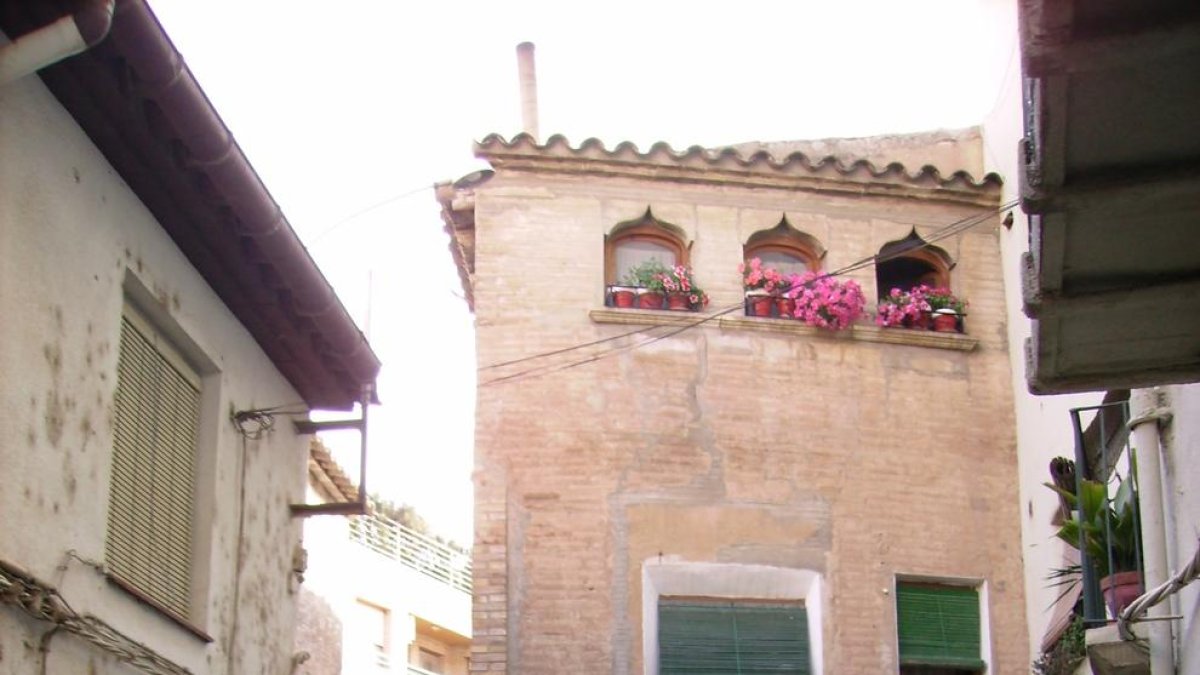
column 163, row 326
column 379, row 597
column 1095, row 135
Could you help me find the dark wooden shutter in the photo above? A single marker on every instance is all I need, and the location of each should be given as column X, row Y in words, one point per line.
column 938, row 625
column 149, row 539
column 732, row 638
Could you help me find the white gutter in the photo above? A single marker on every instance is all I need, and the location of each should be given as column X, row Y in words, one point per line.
column 1147, row 412
column 56, row 41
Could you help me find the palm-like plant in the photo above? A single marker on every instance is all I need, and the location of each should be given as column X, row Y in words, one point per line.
column 1106, row 525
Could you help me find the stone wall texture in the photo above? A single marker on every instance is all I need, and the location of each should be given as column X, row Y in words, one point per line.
column 860, row 460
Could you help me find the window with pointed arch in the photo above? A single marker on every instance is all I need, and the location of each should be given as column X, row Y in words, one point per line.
column 785, row 249
column 911, row 262
column 631, row 245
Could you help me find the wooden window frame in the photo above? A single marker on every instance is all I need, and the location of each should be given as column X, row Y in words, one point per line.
column 938, row 260
column 651, row 232
column 785, row 244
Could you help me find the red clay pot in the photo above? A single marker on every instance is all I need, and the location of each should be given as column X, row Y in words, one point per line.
column 623, row 298
column 1120, row 590
column 760, row 305
column 785, row 307
column 650, row 301
column 945, row 323
column 678, row 302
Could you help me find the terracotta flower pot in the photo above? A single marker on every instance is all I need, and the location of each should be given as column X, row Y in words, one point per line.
column 1120, row 590
column 921, row 322
column 650, row 300
column 759, row 305
column 679, row 302
column 623, row 297
column 785, row 308
column 945, row 322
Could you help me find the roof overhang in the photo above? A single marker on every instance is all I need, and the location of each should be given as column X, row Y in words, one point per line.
column 1111, row 178
column 138, row 102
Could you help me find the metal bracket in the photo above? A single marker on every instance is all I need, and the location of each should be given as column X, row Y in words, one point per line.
column 357, row 507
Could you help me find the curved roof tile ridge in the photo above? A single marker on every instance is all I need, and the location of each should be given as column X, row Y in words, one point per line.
column 663, row 151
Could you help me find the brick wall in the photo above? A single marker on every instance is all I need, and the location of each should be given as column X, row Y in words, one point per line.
column 856, row 459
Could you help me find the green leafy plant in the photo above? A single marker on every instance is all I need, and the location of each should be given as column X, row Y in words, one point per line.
column 941, row 298
column 1090, row 510
column 649, row 274
column 1066, row 654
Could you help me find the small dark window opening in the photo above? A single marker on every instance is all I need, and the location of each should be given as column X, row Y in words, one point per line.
column 911, row 262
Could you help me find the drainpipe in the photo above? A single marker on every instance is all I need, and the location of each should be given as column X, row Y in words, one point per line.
column 1148, row 409
column 56, row 41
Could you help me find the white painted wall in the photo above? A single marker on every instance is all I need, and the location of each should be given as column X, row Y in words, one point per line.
column 342, row 572
column 73, row 237
column 1043, row 424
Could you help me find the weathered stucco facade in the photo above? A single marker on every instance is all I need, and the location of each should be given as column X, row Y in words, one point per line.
column 737, row 445
column 80, row 249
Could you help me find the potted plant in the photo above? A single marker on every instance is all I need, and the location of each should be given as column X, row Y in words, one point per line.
column 682, row 292
column 946, row 308
column 762, row 284
column 647, row 280
column 902, row 308
column 1104, row 526
column 825, row 301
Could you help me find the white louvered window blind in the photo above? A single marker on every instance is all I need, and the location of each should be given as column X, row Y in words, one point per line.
column 149, row 542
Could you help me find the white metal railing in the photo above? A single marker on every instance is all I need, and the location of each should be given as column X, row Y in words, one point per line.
column 409, row 547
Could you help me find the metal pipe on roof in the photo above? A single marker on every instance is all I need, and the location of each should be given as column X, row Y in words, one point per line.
column 67, row 36
column 527, row 72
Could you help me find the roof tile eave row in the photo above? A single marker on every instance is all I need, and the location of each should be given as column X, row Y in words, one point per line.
column 494, row 146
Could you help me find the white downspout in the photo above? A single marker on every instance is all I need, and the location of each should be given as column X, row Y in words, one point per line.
column 56, row 41
column 1146, row 412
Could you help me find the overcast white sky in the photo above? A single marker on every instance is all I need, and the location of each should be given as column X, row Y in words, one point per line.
column 346, row 105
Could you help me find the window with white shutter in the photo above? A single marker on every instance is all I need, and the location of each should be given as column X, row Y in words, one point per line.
column 149, row 541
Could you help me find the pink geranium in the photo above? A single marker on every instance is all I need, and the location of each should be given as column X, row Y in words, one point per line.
column 826, row 302
column 678, row 279
column 756, row 277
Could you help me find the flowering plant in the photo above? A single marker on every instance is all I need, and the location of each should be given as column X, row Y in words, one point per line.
column 678, row 279
column 942, row 298
column 899, row 307
column 648, row 274
column 756, row 277
column 825, row 302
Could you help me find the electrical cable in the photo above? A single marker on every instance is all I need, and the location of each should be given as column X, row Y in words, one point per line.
column 945, row 232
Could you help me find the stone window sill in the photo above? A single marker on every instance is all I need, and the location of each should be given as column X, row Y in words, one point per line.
column 860, row 332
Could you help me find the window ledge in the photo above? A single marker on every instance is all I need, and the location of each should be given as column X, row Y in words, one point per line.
column 158, row 607
column 860, row 332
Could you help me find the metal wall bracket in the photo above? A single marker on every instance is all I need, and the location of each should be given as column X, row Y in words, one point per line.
column 357, row 507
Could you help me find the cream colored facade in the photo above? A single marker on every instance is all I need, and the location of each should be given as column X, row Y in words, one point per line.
column 740, row 457
column 378, row 597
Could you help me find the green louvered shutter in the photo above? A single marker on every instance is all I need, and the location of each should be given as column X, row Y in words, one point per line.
column 149, row 540
column 698, row 636
column 938, row 625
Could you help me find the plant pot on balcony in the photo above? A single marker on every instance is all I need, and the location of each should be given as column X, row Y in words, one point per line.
column 945, row 321
column 1120, row 590
column 785, row 307
column 650, row 300
column 758, row 304
column 623, row 296
column 679, row 301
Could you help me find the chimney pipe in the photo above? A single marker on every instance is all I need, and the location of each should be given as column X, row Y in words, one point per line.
column 528, row 76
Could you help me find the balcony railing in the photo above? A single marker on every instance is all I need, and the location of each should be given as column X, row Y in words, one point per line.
column 413, row 549
column 1110, row 529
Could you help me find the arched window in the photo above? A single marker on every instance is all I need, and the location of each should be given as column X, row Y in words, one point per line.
column 785, row 248
column 910, row 262
column 633, row 242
